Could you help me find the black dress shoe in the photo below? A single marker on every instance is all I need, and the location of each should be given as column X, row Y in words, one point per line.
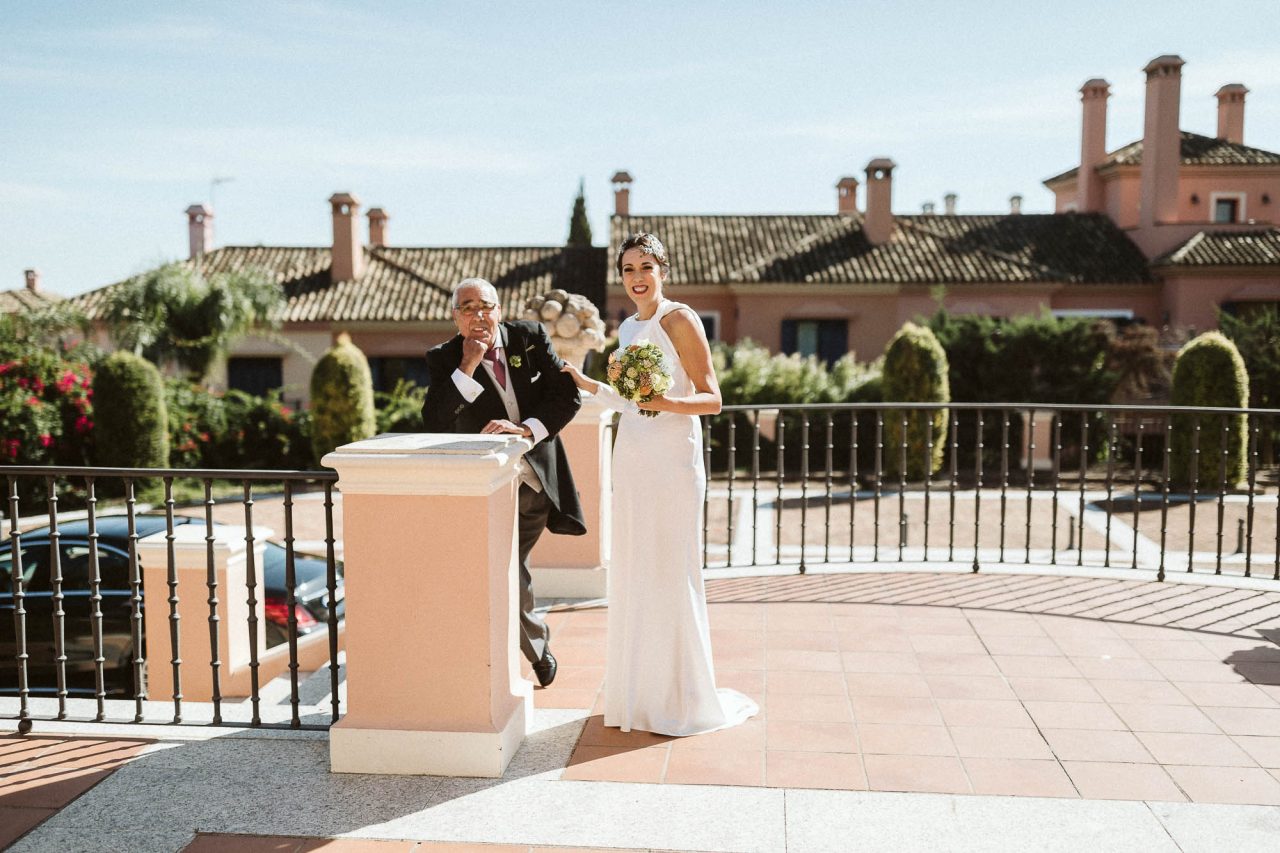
column 545, row 669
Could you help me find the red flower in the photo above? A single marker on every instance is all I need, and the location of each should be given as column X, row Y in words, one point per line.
column 46, row 440
column 204, row 436
column 7, row 366
column 22, row 382
column 83, row 425
column 34, row 402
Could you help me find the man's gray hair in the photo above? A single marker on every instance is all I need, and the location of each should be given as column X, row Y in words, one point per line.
column 482, row 283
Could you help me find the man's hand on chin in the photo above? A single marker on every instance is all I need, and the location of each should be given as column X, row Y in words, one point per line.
column 505, row 427
column 473, row 350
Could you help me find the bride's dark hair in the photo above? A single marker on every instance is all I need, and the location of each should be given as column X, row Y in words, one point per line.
column 647, row 243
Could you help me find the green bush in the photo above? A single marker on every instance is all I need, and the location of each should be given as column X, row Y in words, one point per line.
column 263, row 433
column 400, row 410
column 1255, row 330
column 132, row 429
column 1209, row 372
column 915, row 371
column 197, row 422
column 341, row 398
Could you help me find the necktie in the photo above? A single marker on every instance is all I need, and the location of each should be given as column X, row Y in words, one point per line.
column 499, row 369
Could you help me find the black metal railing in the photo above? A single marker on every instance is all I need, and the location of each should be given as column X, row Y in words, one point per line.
column 1053, row 485
column 111, row 669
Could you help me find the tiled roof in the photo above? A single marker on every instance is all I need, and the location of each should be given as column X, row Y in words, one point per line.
column 22, row 299
column 1226, row 248
column 1049, row 248
column 402, row 284
column 1197, row 150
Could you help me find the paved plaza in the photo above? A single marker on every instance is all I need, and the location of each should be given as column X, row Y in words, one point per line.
column 899, row 711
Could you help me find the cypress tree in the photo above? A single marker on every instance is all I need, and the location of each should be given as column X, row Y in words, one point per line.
column 579, row 226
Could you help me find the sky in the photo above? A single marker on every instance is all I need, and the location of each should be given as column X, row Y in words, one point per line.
column 472, row 123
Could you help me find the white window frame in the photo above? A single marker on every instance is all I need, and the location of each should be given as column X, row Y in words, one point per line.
column 1241, row 214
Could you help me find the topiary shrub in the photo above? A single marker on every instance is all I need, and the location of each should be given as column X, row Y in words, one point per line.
column 341, row 398
column 915, row 371
column 1209, row 372
column 131, row 427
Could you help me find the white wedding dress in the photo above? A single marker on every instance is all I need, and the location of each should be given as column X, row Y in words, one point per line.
column 659, row 675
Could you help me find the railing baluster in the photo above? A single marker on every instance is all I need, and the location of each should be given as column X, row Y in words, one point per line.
column 902, row 485
column 804, row 486
column 1164, row 493
column 875, row 539
column 955, row 474
column 1224, row 445
column 1111, row 471
column 135, row 602
column 778, row 506
column 928, row 477
column 59, row 599
column 175, row 618
column 733, row 470
column 291, row 602
column 95, row 602
column 1031, row 477
column 1137, row 488
column 1253, row 482
column 331, row 582
column 755, row 483
column 706, row 492
column 1195, row 493
column 211, row 581
column 1084, row 475
column 830, row 460
column 251, row 587
column 1004, row 475
column 977, row 493
column 853, row 480
column 19, row 608
column 1057, row 485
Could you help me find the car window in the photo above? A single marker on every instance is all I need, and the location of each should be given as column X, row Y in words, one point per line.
column 35, row 568
column 77, row 568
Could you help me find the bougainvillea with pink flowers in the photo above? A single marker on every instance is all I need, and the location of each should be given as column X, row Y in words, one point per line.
column 46, row 405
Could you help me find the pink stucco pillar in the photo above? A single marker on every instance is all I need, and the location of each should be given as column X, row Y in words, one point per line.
column 576, row 566
column 433, row 675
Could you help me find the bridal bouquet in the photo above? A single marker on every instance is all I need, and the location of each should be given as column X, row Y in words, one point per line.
column 639, row 373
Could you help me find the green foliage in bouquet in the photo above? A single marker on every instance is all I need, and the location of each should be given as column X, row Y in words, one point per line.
column 1209, row 372
column 341, row 398
column 915, row 371
column 131, row 429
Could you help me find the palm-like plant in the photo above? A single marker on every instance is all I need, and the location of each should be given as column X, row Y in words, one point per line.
column 175, row 314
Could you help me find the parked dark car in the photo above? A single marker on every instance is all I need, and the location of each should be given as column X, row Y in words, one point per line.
column 310, row 591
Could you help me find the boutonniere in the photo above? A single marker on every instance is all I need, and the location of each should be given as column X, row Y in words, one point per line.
column 515, row 361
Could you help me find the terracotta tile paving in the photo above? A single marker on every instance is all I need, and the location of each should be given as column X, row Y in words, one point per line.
column 988, row 684
column 40, row 774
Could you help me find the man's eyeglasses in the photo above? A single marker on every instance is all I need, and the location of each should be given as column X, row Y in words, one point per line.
column 471, row 309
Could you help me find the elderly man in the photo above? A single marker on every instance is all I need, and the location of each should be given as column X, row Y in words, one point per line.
column 504, row 378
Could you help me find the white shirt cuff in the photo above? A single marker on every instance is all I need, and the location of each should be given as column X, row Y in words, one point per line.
column 535, row 426
column 468, row 387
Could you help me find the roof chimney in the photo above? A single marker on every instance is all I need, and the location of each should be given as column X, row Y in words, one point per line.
column 949, row 204
column 347, row 260
column 621, row 193
column 927, row 208
column 847, row 196
column 878, row 224
column 1093, row 144
column 199, row 229
column 1161, row 141
column 33, row 280
column 1231, row 112
column 1015, row 204
column 377, row 226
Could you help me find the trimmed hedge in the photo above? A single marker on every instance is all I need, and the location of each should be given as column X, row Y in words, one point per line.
column 915, row 371
column 131, row 429
column 341, row 398
column 1209, row 372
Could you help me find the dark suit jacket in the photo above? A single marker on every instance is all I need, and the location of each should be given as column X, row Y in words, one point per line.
column 542, row 392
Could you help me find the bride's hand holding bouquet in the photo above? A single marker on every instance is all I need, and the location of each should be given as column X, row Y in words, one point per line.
column 639, row 373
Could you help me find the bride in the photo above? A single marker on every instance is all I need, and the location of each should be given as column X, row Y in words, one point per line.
column 659, row 675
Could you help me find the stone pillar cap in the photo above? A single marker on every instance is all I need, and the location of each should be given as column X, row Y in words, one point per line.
column 427, row 463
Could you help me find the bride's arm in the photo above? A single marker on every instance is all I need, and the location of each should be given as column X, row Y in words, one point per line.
column 605, row 393
column 686, row 332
